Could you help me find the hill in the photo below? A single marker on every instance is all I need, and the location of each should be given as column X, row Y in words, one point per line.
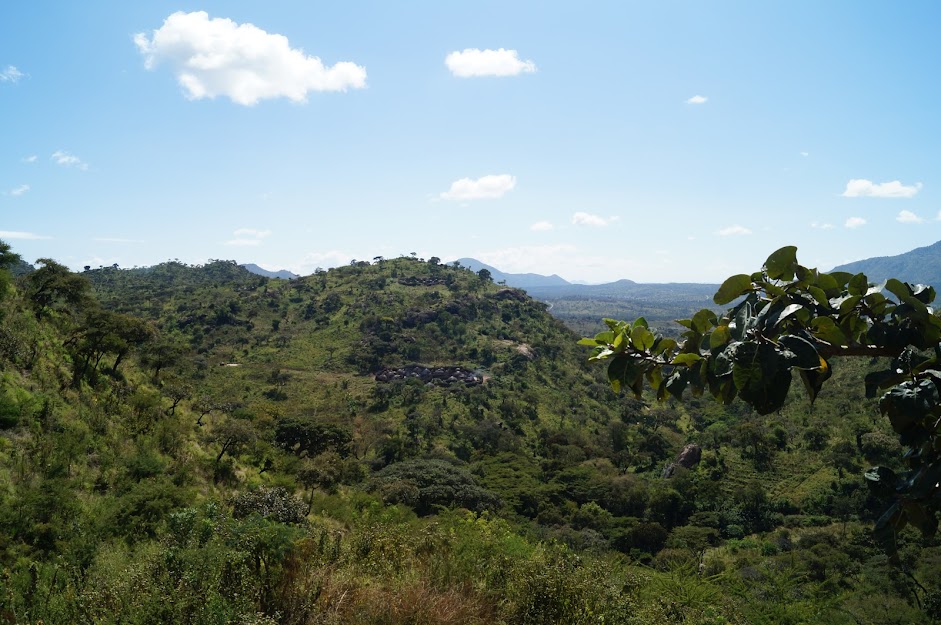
column 516, row 280
column 401, row 442
column 919, row 266
column 282, row 274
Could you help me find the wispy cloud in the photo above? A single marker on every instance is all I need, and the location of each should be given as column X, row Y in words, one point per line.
column 859, row 187
column 32, row 158
column 218, row 57
column 587, row 219
column 697, row 99
column 484, row 188
column 20, row 190
column 248, row 237
column 854, row 222
column 542, row 226
column 10, row 74
column 805, row 154
column 25, row 236
column 820, row 226
column 473, row 62
column 735, row 230
column 116, row 240
column 908, row 217
column 60, row 157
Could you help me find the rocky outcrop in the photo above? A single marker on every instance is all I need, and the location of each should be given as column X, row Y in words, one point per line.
column 510, row 294
column 439, row 376
column 416, row 281
column 688, row 458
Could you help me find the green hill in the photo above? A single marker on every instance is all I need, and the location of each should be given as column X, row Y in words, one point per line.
column 401, row 442
column 919, row 266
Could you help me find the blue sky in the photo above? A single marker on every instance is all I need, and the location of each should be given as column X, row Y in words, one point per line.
column 659, row 141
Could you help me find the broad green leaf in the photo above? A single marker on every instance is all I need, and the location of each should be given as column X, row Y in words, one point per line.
column 589, row 342
column 732, row 288
column 719, row 337
column 826, row 329
column 640, row 322
column 605, row 337
column 805, row 354
column 782, row 264
column 859, row 284
column 663, row 345
column 642, row 338
column 841, row 277
column 703, row 320
column 686, row 359
column 819, row 295
column 813, row 379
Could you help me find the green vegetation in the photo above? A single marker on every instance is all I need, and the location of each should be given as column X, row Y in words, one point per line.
column 203, row 445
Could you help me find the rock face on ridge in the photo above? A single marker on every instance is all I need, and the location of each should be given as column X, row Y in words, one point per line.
column 440, row 376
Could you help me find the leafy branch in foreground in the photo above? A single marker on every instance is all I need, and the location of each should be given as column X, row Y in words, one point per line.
column 788, row 318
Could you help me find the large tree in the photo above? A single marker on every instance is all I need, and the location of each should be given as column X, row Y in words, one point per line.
column 788, row 318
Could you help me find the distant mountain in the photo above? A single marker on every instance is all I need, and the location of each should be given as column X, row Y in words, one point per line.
column 921, row 266
column 283, row 274
column 516, row 280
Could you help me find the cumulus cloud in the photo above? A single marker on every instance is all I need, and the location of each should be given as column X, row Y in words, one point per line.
column 248, row 237
column 733, row 231
column 68, row 160
column 475, row 62
column 542, row 226
column 20, row 190
column 697, row 99
column 587, row 219
column 26, row 236
column 867, row 188
column 10, row 74
column 218, row 57
column 484, row 188
column 855, row 222
column 908, row 217
column 820, row 226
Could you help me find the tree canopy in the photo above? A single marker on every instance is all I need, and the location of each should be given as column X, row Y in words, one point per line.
column 789, row 318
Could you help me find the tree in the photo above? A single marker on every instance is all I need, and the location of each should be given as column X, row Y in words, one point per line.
column 54, row 285
column 485, row 275
column 789, row 318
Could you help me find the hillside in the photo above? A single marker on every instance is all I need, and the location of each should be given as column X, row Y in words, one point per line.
column 402, row 442
column 919, row 266
column 516, row 280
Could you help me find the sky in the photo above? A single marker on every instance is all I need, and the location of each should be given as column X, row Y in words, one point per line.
column 656, row 141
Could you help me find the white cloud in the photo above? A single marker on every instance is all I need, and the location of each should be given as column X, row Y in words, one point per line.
column 115, row 240
column 866, row 188
column 252, row 232
column 32, row 158
column 542, row 226
column 26, row 236
column 68, row 160
column 20, row 190
column 805, row 153
column 475, row 62
column 855, row 222
column 213, row 57
column 820, row 226
column 697, row 99
column 587, row 219
column 485, row 188
column 248, row 237
column 10, row 74
column 908, row 217
column 733, row 231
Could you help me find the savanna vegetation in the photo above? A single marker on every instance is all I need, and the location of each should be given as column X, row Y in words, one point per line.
column 197, row 444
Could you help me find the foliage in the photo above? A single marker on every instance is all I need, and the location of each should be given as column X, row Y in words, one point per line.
column 791, row 318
